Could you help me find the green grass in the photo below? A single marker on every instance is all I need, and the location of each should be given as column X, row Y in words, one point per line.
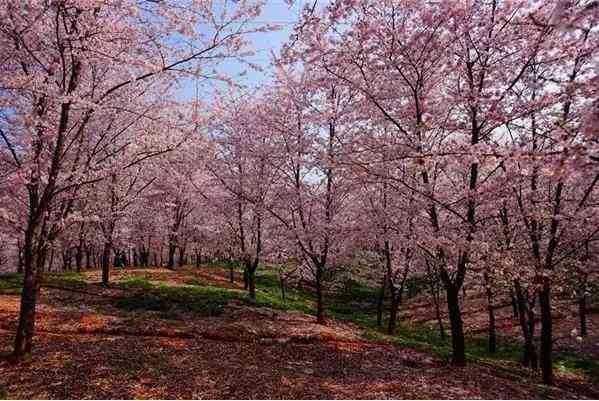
column 169, row 300
column 11, row 283
column 573, row 363
column 66, row 278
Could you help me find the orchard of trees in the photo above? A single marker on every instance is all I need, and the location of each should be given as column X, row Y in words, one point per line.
column 453, row 141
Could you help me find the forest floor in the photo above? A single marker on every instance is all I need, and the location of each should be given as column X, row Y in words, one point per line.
column 190, row 333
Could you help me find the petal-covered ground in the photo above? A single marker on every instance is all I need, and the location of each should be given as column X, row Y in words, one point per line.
column 85, row 347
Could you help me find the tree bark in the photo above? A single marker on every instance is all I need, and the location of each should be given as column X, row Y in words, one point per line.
column 319, row 297
column 457, row 330
column 393, row 314
column 527, row 325
column 33, row 262
column 582, row 313
column 546, row 333
column 282, row 285
column 380, row 302
column 171, row 255
column 106, row 263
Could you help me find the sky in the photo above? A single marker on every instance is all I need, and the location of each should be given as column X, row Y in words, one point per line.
column 275, row 12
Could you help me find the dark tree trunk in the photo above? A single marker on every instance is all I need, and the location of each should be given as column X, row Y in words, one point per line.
column 106, row 263
column 527, row 325
column 380, row 302
column 88, row 262
column 492, row 331
column 33, row 263
column 182, row 260
column 457, row 329
column 232, row 275
column 319, row 297
column 582, row 314
column 282, row 285
column 393, row 314
column 79, row 258
column 171, row 256
column 246, row 279
column 252, row 283
column 514, row 304
column 546, row 333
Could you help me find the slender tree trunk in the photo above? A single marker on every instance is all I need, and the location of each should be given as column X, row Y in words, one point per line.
column 252, row 283
column 79, row 258
column 282, row 285
column 514, row 304
column 88, row 258
column 526, row 314
column 393, row 313
column 182, row 256
column 380, row 302
column 106, row 263
column 319, row 297
column 246, row 278
column 171, row 255
column 546, row 333
column 582, row 313
column 457, row 329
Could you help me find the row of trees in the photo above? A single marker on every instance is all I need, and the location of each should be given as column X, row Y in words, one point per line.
column 454, row 140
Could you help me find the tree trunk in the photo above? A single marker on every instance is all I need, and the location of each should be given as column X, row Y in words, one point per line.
column 393, row 313
column 457, row 331
column 88, row 263
column 380, row 302
column 282, row 285
column 33, row 262
column 182, row 260
column 20, row 258
column 514, row 304
column 582, row 313
column 492, row 335
column 527, row 327
column 79, row 258
column 171, row 256
column 319, row 297
column 106, row 263
column 252, row 283
column 546, row 333
column 246, row 279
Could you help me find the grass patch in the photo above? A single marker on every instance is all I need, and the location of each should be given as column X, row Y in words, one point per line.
column 67, row 279
column 170, row 300
column 11, row 283
column 573, row 363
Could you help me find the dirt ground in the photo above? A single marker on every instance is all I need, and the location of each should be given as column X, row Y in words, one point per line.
column 86, row 348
